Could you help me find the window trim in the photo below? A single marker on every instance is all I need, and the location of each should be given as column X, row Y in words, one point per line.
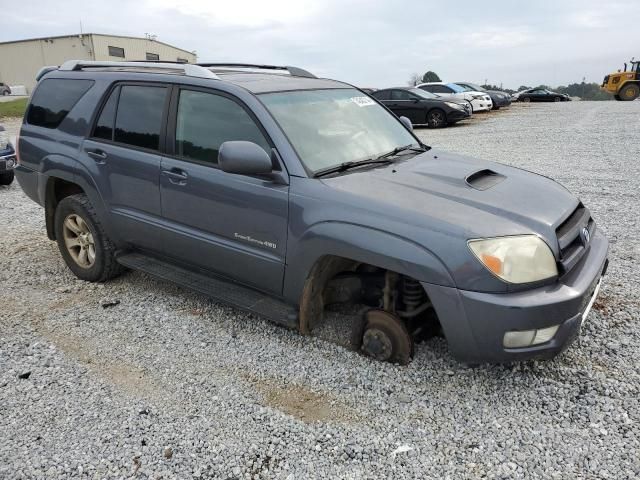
column 156, row 57
column 105, row 99
column 109, row 47
column 172, row 124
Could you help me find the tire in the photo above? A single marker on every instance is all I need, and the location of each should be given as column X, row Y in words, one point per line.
column 78, row 229
column 526, row 99
column 5, row 93
column 386, row 338
column 557, row 99
column 436, row 118
column 629, row 92
column 617, row 97
column 6, row 178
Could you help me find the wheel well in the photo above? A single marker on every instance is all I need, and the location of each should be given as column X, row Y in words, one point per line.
column 334, row 280
column 57, row 189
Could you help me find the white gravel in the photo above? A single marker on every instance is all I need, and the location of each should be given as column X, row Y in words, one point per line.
column 167, row 384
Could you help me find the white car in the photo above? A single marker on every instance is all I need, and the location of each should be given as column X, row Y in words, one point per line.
column 480, row 101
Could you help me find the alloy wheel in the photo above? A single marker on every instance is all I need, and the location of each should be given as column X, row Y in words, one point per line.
column 79, row 241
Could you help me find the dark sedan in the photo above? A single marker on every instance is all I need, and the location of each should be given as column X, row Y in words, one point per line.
column 541, row 95
column 423, row 108
column 499, row 99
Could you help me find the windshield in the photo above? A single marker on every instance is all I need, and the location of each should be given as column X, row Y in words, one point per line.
column 330, row 127
column 423, row 93
column 455, row 88
column 473, row 87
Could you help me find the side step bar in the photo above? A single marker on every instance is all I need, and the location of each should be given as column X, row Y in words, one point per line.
column 232, row 294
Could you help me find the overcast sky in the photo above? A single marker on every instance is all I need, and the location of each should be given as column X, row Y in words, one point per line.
column 373, row 44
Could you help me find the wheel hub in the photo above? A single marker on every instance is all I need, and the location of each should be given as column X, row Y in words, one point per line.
column 377, row 344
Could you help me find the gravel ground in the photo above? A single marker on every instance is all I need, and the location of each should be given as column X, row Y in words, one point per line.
column 167, row 384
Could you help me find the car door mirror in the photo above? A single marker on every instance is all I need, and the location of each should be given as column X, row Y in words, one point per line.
column 244, row 158
column 407, row 123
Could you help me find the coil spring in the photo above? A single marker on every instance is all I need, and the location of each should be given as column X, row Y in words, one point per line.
column 412, row 294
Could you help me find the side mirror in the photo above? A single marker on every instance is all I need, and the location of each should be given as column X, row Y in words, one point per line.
column 244, row 158
column 407, row 123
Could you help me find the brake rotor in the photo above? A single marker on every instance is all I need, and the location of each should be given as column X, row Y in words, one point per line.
column 386, row 338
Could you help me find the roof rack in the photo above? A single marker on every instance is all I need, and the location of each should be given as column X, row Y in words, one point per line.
column 188, row 69
column 293, row 71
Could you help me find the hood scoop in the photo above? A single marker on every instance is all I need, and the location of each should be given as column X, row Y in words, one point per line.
column 484, row 179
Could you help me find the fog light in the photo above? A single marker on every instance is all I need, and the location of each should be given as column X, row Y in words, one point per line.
column 527, row 338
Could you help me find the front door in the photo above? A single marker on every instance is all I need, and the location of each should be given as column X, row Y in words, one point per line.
column 232, row 225
column 407, row 105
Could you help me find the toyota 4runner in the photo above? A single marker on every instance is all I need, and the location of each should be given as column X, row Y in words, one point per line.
column 282, row 193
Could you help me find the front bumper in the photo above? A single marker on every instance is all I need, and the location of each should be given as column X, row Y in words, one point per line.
column 474, row 323
column 7, row 160
column 481, row 105
column 457, row 115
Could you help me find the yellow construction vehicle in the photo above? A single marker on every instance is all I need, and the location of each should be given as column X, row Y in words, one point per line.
column 625, row 85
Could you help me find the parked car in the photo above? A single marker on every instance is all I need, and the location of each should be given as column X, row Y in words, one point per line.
column 479, row 101
column 7, row 158
column 368, row 90
column 498, row 99
column 422, row 107
column 541, row 95
column 280, row 193
column 4, row 89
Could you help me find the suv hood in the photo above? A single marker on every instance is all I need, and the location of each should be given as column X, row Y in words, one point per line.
column 461, row 196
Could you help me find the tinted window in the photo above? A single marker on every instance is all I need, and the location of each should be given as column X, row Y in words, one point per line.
column 116, row 52
column 104, row 125
column 54, row 99
column 153, row 56
column 383, row 95
column 440, row 89
column 139, row 116
column 205, row 121
column 400, row 95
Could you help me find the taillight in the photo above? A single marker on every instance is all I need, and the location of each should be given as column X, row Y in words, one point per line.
column 17, row 148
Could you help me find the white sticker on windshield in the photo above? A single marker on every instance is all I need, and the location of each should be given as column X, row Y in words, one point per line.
column 362, row 101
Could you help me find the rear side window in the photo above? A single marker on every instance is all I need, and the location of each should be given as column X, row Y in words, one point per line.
column 54, row 99
column 139, row 116
column 205, row 121
column 104, row 125
column 400, row 95
column 384, row 95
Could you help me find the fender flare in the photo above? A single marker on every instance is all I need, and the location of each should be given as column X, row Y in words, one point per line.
column 360, row 244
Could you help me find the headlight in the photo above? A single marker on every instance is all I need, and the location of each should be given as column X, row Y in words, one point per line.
column 478, row 97
column 454, row 105
column 517, row 259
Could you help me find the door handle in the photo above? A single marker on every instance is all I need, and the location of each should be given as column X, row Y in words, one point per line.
column 98, row 155
column 176, row 176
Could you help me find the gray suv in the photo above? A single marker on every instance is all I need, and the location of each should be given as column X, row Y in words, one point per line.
column 283, row 194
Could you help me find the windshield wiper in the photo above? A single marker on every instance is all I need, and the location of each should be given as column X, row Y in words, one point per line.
column 341, row 167
column 384, row 158
column 398, row 150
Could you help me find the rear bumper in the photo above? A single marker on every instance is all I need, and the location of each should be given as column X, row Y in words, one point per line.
column 474, row 323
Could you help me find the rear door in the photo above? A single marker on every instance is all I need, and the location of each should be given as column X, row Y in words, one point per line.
column 123, row 157
column 232, row 225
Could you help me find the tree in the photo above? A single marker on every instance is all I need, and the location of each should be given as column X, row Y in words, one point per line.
column 431, row 77
column 414, row 79
column 523, row 87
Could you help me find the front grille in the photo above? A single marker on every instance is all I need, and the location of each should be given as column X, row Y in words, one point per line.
column 573, row 244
